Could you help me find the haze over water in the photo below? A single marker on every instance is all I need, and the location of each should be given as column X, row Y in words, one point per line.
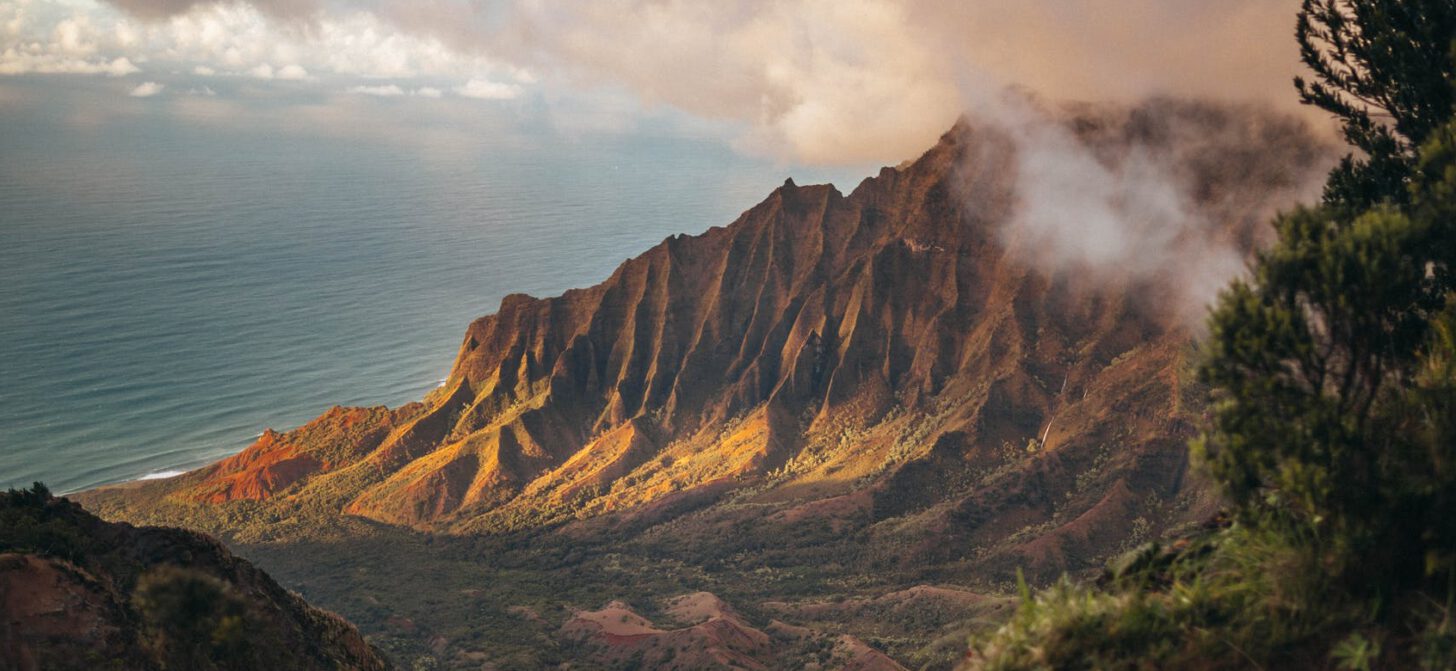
column 169, row 290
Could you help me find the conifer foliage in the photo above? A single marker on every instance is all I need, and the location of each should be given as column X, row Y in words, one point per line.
column 1383, row 68
column 1317, row 358
column 1333, row 426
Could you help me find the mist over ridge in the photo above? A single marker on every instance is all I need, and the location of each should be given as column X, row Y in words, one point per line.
column 1166, row 196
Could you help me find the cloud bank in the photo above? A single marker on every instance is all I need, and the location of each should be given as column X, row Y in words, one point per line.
column 843, row 81
column 488, row 90
column 147, row 89
column 226, row 40
column 1166, row 197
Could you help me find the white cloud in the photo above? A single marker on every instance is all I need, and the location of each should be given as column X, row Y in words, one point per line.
column 292, row 72
column 127, row 35
column 15, row 22
column 394, row 90
column 387, row 90
column 224, row 38
column 1106, row 201
column 34, row 59
column 147, row 90
column 349, row 41
column 121, row 67
column 71, row 37
column 202, row 91
column 488, row 90
column 818, row 80
column 845, row 81
column 826, row 81
column 46, row 38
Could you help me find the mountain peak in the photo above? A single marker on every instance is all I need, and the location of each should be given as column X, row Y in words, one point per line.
column 866, row 357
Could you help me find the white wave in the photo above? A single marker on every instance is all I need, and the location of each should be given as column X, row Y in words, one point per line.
column 161, row 475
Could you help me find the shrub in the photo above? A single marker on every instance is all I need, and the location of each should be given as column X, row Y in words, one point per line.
column 195, row 619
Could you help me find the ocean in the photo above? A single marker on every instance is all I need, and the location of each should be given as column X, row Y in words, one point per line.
column 169, row 289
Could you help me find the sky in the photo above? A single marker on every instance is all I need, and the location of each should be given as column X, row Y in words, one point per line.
column 808, row 82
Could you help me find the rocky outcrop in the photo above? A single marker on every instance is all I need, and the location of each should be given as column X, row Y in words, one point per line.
column 80, row 593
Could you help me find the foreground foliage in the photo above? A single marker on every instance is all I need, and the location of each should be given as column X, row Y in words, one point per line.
column 1236, row 598
column 1334, row 375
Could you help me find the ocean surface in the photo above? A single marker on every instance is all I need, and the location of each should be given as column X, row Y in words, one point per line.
column 168, row 290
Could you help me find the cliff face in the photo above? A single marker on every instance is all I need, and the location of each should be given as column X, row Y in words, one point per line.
column 80, row 593
column 878, row 357
column 850, row 415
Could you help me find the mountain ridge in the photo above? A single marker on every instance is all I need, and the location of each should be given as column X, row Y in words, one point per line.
column 812, row 307
column 872, row 389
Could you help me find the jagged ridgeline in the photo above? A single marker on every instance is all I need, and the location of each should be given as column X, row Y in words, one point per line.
column 877, row 360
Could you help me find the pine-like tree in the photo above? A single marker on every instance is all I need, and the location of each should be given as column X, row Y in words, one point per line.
column 1384, row 69
column 1319, row 357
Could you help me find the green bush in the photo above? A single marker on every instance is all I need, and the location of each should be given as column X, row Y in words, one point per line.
column 1330, row 363
column 26, row 525
column 1333, row 429
column 196, row 620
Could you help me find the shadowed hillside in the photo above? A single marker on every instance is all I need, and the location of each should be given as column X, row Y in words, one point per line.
column 80, row 593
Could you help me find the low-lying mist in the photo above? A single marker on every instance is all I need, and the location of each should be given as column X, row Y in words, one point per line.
column 1167, row 197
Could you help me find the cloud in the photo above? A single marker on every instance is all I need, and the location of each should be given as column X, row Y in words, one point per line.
column 24, row 61
column 1170, row 196
column 488, row 90
column 855, row 80
column 847, row 81
column 38, row 40
column 147, row 90
column 388, row 90
column 394, row 90
column 120, row 67
column 350, row 41
column 70, row 37
column 292, row 72
column 266, row 42
column 825, row 81
column 159, row 9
